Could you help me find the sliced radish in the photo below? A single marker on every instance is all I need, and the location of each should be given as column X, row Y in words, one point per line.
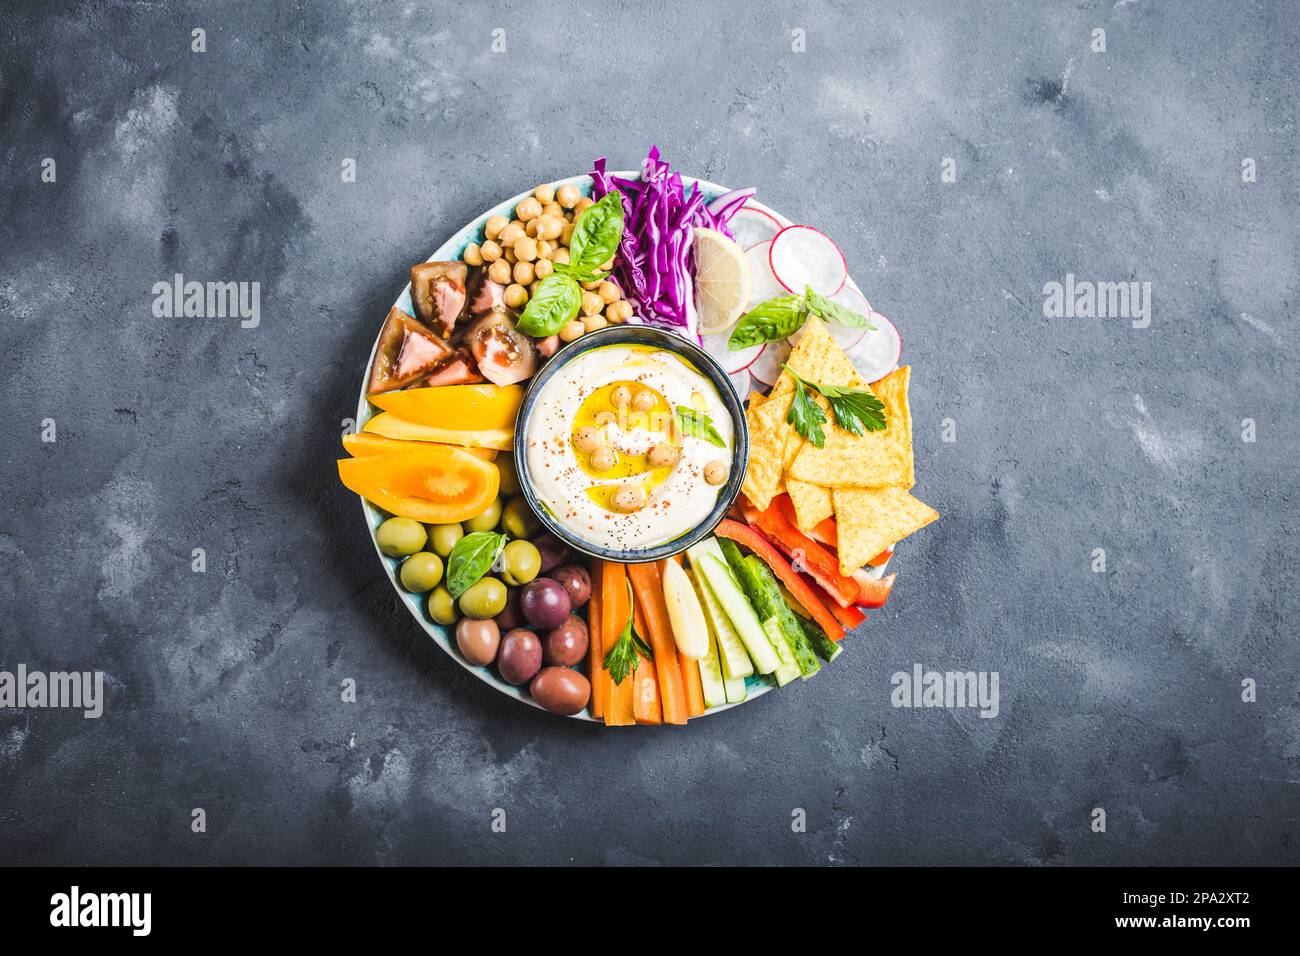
column 879, row 351
column 845, row 336
column 767, row 367
column 741, row 382
column 851, row 297
column 802, row 256
column 731, row 362
column 752, row 225
column 762, row 284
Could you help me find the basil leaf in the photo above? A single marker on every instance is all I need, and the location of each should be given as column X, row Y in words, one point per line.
column 580, row 275
column 693, row 422
column 471, row 558
column 597, row 233
column 769, row 321
column 555, row 302
column 832, row 311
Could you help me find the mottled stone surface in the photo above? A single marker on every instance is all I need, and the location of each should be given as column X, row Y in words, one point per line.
column 1119, row 690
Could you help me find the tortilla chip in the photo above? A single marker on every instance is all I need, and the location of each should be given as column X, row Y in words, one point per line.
column 818, row 358
column 812, row 503
column 768, row 434
column 868, row 520
column 874, row 459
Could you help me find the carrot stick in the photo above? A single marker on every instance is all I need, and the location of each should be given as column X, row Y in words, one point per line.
column 650, row 591
column 692, row 683
column 595, row 669
column 614, row 611
column 645, row 697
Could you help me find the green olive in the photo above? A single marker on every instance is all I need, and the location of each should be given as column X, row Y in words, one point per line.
column 443, row 537
column 484, row 598
column 519, row 520
column 509, row 477
column 442, row 606
column 398, row 537
column 486, row 519
column 522, row 561
column 420, row 572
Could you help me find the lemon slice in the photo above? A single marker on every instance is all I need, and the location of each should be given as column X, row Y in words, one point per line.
column 722, row 281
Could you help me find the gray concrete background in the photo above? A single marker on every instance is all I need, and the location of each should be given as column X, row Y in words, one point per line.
column 1120, row 690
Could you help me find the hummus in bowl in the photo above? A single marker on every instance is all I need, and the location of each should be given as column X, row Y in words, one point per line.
column 631, row 444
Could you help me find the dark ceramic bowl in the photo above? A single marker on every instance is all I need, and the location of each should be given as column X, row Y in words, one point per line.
column 669, row 342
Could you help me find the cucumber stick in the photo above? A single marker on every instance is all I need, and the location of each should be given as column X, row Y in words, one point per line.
column 787, row 670
column 759, row 584
column 734, row 686
column 706, row 557
column 826, row 649
column 730, row 648
column 715, row 694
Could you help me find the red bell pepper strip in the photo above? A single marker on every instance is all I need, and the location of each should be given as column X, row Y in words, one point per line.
column 850, row 616
column 743, row 534
column 820, row 563
column 873, row 592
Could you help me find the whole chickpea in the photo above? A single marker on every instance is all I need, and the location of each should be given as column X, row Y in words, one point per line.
column 592, row 286
column 609, row 292
column 604, row 458
column 591, row 303
column 511, row 234
column 544, row 249
column 586, row 439
column 515, row 295
column 544, row 193
column 629, row 497
column 571, row 330
column 663, row 455
column 715, row 472
column 523, row 273
column 560, row 255
column 490, row 251
column 551, row 209
column 526, row 249
column 619, row 312
column 473, row 255
column 552, row 227
column 533, row 227
column 529, row 208
column 500, row 272
column 492, row 228
column 566, row 234
column 620, row 396
column 582, row 205
column 542, row 268
column 643, row 400
column 592, row 323
column 566, row 196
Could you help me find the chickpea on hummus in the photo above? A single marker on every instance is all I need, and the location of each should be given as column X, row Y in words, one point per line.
column 629, row 446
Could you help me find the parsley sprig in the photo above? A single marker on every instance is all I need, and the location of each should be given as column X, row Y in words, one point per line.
column 625, row 656
column 856, row 410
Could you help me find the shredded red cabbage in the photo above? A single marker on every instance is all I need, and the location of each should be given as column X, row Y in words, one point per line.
column 654, row 265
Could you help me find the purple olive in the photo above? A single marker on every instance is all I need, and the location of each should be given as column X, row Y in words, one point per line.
column 560, row 690
column 478, row 640
column 545, row 604
column 574, row 579
column 511, row 616
column 554, row 552
column 520, row 657
column 567, row 644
